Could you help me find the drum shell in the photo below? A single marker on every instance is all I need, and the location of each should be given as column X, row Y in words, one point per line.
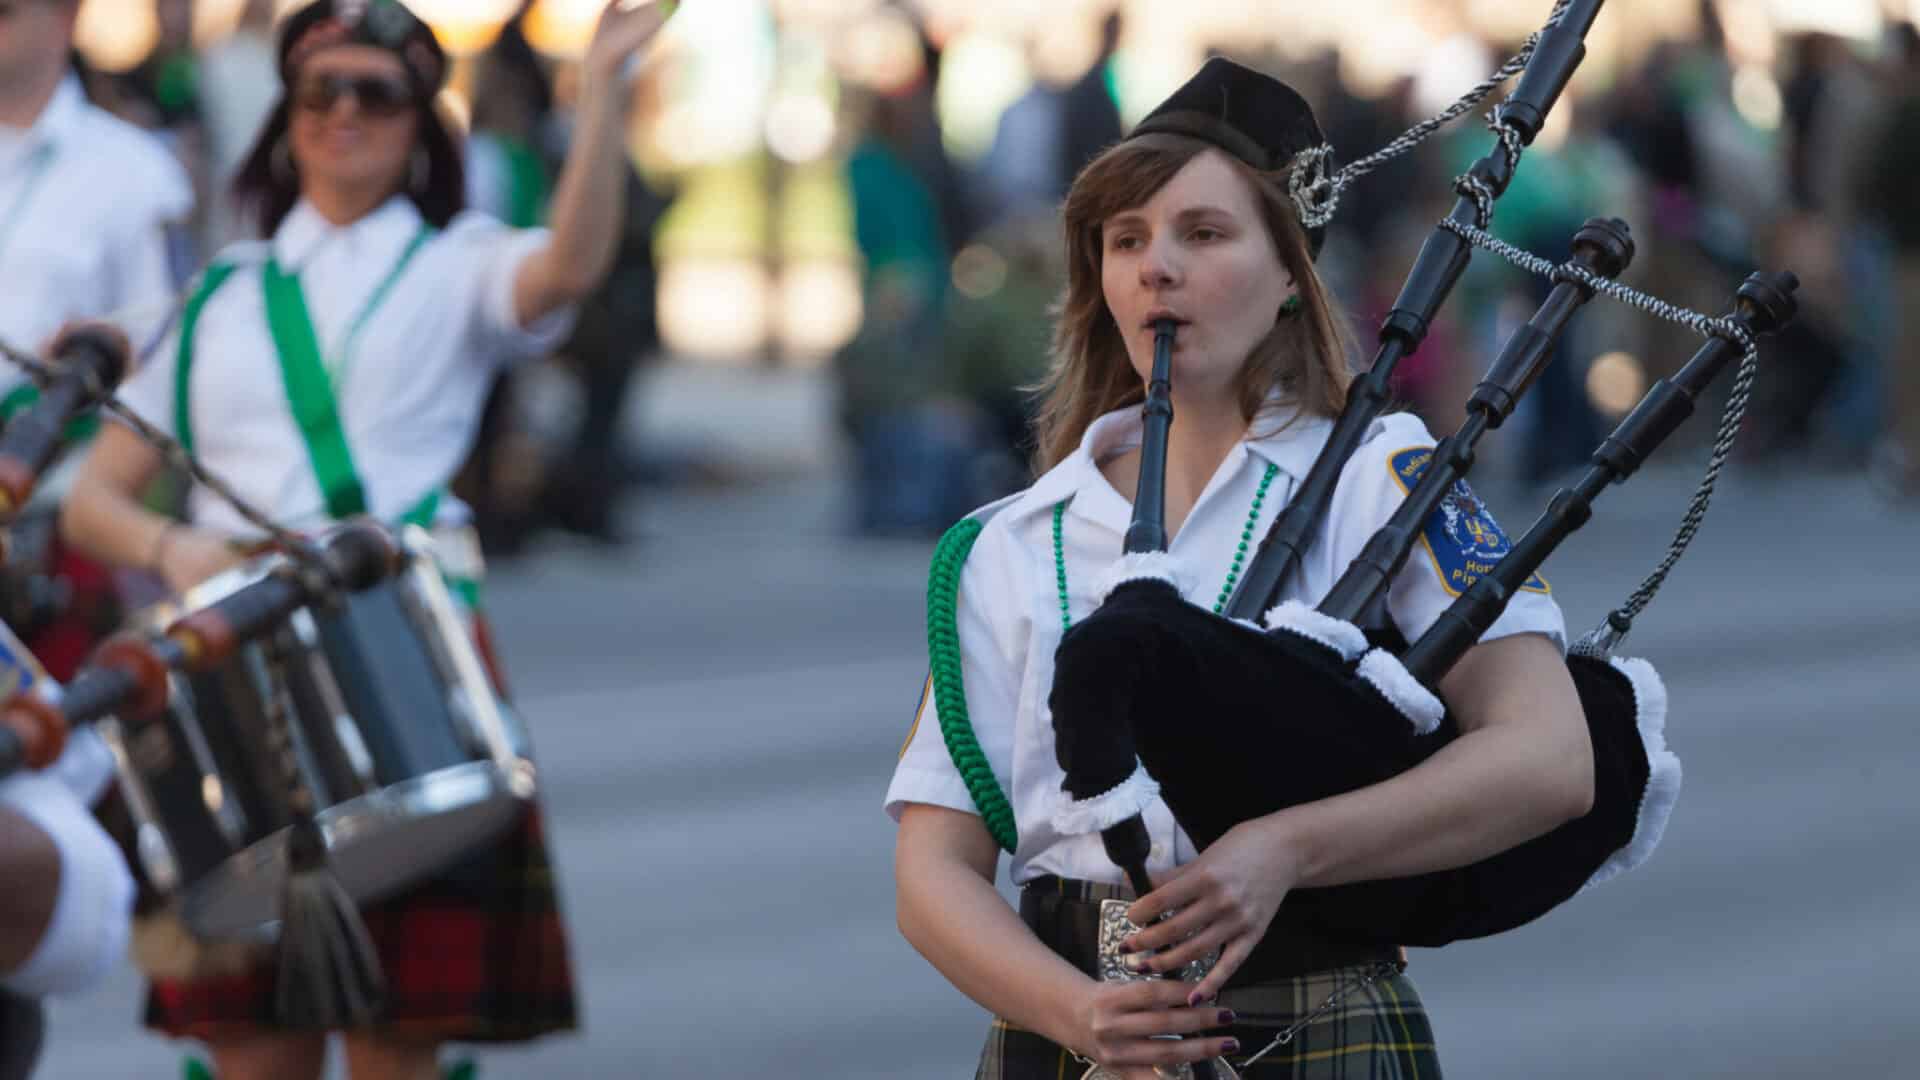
column 412, row 759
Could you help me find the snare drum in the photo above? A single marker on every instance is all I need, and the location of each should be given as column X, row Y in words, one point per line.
column 413, row 759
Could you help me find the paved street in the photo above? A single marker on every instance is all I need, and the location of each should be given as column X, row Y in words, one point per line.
column 717, row 710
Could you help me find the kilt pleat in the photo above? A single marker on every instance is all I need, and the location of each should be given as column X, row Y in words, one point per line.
column 1379, row 1032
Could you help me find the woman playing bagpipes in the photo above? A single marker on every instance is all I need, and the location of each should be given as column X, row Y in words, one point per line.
column 1189, row 221
column 336, row 368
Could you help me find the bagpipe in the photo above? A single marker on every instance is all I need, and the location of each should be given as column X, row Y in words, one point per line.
column 1227, row 719
column 310, row 731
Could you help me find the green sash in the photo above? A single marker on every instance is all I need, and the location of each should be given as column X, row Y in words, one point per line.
column 309, row 386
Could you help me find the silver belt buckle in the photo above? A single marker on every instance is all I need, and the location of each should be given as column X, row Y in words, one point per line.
column 1115, row 928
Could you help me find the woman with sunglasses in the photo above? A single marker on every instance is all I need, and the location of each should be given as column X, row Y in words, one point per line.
column 339, row 367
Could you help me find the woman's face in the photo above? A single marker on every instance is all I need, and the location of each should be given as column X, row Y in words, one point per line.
column 1197, row 251
column 353, row 119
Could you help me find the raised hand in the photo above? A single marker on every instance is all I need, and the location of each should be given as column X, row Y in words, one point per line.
column 624, row 31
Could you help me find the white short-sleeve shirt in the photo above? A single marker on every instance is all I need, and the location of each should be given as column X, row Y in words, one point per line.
column 86, row 201
column 410, row 390
column 1010, row 620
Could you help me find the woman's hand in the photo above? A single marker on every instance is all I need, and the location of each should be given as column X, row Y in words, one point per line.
column 1225, row 899
column 1117, row 1023
column 588, row 213
column 186, row 556
column 621, row 34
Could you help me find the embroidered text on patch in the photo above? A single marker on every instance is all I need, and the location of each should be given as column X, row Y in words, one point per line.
column 1461, row 535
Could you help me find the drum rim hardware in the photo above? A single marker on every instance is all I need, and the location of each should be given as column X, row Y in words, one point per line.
column 233, row 899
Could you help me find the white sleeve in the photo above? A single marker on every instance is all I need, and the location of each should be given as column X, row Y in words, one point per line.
column 1458, row 543
column 86, row 766
column 496, row 253
column 149, row 390
column 150, row 224
column 990, row 680
column 88, row 934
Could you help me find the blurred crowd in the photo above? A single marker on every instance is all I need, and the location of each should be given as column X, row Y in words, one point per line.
column 549, row 455
column 962, row 260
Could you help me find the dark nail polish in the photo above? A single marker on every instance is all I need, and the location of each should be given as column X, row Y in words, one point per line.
column 1226, row 1016
column 1125, row 948
column 1232, row 1047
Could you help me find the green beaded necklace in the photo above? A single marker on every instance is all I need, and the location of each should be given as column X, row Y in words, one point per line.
column 1233, row 572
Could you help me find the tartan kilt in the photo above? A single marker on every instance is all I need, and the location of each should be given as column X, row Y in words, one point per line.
column 1380, row 1032
column 477, row 955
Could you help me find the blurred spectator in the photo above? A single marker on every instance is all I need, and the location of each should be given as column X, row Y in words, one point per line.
column 617, row 334
column 1892, row 195
column 510, row 171
column 998, row 333
column 1052, row 130
column 1831, row 137
column 164, row 95
column 535, row 466
column 163, row 91
column 890, row 370
column 510, row 165
column 1805, row 361
column 238, row 82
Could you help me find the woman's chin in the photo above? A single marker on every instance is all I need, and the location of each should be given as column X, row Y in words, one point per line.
column 357, row 181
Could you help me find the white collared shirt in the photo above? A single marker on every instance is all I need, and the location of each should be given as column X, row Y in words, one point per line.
column 410, row 393
column 1010, row 621
column 85, row 203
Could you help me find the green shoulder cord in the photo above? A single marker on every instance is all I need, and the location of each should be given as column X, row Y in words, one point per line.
column 943, row 651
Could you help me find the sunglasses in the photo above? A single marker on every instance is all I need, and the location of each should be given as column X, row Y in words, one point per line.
column 377, row 95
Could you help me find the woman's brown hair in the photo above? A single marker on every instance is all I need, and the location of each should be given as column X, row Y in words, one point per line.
column 1305, row 355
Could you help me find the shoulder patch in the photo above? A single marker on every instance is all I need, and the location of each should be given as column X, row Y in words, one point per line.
column 1461, row 536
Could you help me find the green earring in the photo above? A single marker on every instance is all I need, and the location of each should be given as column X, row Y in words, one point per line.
column 1292, row 305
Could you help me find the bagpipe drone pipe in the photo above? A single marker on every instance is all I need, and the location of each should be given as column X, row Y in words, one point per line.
column 129, row 676
column 47, row 597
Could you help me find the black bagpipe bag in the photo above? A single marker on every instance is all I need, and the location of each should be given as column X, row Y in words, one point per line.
column 1233, row 722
